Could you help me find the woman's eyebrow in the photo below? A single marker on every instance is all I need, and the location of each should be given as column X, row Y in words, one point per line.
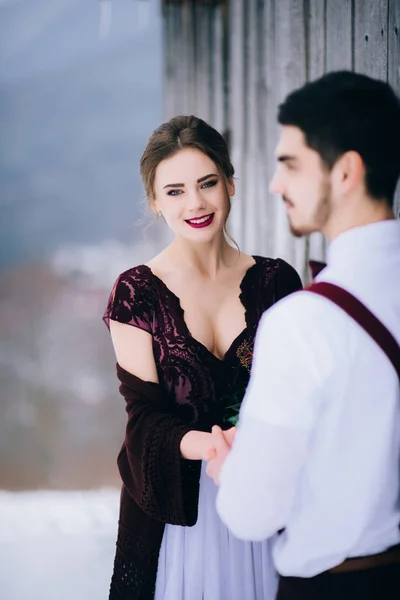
column 175, row 185
column 206, row 177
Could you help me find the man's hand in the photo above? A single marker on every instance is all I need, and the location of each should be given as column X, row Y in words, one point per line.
column 229, row 435
column 222, row 444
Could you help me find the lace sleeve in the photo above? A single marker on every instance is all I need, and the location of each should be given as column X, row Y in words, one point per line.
column 131, row 301
column 287, row 280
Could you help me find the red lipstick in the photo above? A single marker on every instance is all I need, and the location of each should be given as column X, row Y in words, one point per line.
column 200, row 222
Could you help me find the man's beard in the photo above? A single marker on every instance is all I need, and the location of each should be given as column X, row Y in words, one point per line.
column 320, row 216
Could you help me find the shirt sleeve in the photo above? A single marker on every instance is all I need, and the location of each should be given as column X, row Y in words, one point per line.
column 131, row 301
column 292, row 364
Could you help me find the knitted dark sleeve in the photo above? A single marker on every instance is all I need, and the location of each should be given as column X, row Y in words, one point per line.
column 136, row 558
column 163, row 484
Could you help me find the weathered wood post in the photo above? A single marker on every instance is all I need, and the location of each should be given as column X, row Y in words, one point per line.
column 233, row 61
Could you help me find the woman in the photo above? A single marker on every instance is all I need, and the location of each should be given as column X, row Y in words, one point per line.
column 183, row 328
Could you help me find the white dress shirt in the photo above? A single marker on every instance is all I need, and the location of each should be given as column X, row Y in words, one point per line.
column 317, row 450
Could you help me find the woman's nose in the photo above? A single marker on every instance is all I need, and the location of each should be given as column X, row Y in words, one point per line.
column 195, row 201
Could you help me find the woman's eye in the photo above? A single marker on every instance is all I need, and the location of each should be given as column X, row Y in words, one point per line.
column 210, row 184
column 174, row 192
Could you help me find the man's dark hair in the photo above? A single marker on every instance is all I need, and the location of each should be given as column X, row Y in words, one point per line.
column 344, row 111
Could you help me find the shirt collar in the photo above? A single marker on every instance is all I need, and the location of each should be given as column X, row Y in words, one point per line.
column 360, row 242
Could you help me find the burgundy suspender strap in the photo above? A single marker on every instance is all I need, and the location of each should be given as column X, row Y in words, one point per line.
column 363, row 316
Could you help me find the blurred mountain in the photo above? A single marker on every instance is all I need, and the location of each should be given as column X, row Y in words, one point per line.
column 62, row 418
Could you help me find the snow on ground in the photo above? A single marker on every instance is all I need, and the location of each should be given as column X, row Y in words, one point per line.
column 57, row 545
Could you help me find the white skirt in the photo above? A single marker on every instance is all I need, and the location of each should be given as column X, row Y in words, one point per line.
column 206, row 562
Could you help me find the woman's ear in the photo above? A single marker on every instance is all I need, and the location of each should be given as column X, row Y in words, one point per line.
column 153, row 205
column 231, row 187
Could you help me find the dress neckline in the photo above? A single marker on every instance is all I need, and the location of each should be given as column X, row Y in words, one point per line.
column 247, row 275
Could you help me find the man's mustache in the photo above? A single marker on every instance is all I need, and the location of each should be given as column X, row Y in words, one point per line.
column 287, row 200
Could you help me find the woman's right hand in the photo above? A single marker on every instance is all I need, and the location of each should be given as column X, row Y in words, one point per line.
column 199, row 445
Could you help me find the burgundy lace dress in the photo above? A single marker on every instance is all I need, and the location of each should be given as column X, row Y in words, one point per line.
column 202, row 561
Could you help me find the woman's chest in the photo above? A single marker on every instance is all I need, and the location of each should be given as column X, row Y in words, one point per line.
column 213, row 316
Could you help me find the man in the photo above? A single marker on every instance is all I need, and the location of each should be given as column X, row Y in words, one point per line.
column 317, row 452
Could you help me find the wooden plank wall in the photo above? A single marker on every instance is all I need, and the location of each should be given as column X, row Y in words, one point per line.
column 232, row 62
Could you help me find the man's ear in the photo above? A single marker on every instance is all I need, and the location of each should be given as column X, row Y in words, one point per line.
column 348, row 173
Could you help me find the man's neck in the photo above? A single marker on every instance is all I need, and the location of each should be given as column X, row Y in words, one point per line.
column 362, row 213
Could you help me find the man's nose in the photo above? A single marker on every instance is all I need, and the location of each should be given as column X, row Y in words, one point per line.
column 275, row 185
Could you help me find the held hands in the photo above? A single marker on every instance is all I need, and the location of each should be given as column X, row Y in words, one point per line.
column 222, row 442
column 199, row 445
